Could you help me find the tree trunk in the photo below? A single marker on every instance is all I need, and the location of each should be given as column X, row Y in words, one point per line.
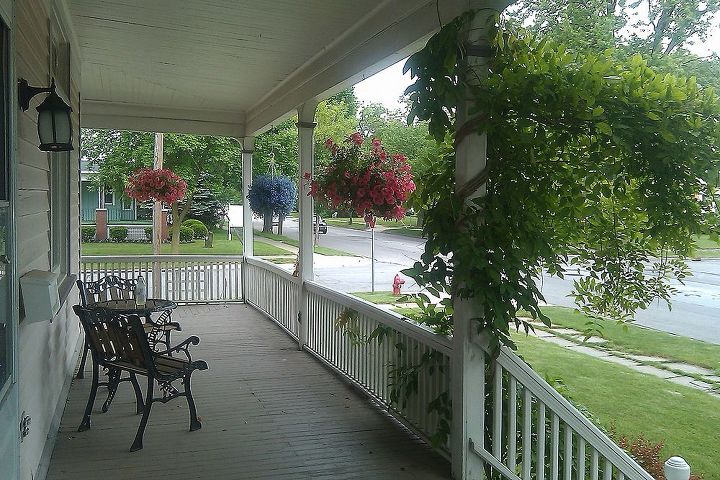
column 281, row 219
column 420, row 218
column 267, row 222
column 178, row 217
column 175, row 235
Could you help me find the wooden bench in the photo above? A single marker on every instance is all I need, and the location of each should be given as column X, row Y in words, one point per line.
column 112, row 287
column 119, row 343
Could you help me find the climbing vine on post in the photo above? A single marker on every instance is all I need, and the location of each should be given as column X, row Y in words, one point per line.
column 589, row 162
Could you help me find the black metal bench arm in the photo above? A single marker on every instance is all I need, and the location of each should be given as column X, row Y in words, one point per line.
column 182, row 347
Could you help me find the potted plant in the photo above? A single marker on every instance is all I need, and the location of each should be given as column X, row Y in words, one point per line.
column 365, row 180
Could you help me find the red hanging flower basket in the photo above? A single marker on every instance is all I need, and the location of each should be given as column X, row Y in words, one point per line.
column 161, row 185
column 369, row 182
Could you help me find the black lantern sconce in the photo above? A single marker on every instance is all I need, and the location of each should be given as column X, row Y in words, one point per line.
column 54, row 122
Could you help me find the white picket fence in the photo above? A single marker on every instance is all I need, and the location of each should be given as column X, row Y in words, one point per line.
column 180, row 278
column 537, row 434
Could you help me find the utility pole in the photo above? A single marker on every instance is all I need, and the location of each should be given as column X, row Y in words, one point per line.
column 157, row 218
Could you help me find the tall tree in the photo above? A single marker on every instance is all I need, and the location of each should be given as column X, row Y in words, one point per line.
column 212, row 162
column 662, row 30
column 276, row 151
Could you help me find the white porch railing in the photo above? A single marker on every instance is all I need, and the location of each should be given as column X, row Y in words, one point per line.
column 531, row 431
column 370, row 363
column 375, row 362
column 182, row 278
column 535, row 433
column 273, row 291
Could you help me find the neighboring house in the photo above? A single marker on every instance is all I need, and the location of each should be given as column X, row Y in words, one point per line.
column 119, row 206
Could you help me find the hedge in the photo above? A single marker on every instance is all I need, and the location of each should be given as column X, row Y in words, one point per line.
column 87, row 234
column 186, row 234
column 200, row 231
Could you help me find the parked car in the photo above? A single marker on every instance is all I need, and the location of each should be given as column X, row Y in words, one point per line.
column 322, row 226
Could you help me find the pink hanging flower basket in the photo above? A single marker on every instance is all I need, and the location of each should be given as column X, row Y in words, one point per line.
column 161, row 185
column 369, row 182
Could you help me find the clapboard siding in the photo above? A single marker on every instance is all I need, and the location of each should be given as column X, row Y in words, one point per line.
column 31, row 202
column 27, row 249
column 33, row 178
column 46, row 349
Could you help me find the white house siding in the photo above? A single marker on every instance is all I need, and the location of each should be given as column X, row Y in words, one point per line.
column 47, row 350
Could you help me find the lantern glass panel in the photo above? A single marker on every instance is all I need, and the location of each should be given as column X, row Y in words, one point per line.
column 63, row 131
column 45, row 127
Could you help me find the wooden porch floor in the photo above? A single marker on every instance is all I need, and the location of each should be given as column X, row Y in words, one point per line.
column 268, row 411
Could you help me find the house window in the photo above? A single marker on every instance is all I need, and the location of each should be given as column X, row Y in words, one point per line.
column 109, row 197
column 60, row 212
column 126, row 203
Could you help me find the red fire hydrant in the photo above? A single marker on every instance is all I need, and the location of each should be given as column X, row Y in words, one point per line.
column 397, row 284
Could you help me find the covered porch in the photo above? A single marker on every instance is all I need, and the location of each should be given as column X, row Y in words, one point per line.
column 303, row 381
column 268, row 411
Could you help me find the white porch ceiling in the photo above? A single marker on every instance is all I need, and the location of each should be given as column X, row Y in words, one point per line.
column 230, row 67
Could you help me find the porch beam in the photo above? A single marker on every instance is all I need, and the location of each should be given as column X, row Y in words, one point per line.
column 151, row 118
column 248, row 147
column 468, row 358
column 306, row 129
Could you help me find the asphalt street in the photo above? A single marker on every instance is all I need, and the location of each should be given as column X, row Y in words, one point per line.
column 695, row 307
column 389, row 248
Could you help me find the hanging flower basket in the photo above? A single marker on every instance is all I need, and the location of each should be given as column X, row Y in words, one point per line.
column 161, row 185
column 369, row 182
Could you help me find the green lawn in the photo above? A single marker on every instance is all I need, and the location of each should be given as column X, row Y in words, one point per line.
column 635, row 404
column 358, row 223
column 292, row 242
column 406, row 231
column 706, row 248
column 405, row 227
column 378, row 297
column 703, row 241
column 221, row 247
column 631, row 339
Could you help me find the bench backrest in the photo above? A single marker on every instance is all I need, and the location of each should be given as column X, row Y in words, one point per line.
column 116, row 338
column 108, row 288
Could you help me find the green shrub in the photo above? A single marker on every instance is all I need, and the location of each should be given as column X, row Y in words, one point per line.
column 199, row 229
column 118, row 234
column 148, row 233
column 87, row 234
column 186, row 234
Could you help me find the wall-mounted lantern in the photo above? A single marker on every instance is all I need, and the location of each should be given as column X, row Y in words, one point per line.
column 54, row 122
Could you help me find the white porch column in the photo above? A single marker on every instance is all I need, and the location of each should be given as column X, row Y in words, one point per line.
column 468, row 360
column 248, row 147
column 306, row 128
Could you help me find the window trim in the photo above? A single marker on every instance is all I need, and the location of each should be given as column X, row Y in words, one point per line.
column 8, row 129
column 126, row 207
column 60, row 248
column 105, row 194
column 60, row 172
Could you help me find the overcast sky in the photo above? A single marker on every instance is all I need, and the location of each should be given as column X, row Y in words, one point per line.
column 384, row 87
